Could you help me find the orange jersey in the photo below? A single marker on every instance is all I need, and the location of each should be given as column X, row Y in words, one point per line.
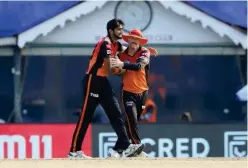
column 103, row 50
column 135, row 79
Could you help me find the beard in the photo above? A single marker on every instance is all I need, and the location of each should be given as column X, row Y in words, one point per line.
column 117, row 37
column 134, row 45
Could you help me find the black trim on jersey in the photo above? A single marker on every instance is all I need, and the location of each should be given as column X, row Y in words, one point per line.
column 147, row 68
column 103, row 53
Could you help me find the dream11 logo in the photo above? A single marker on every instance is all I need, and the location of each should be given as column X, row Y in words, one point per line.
column 17, row 146
column 235, row 144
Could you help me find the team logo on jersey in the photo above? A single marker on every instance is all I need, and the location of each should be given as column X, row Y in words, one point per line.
column 109, row 52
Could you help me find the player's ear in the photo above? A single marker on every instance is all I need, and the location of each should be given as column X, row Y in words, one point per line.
column 111, row 31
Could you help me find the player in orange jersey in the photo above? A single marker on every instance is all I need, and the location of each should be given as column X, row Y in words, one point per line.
column 134, row 64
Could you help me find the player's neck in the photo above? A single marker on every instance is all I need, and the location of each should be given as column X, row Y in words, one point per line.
column 132, row 51
column 113, row 39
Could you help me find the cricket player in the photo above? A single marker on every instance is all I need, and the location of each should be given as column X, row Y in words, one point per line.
column 97, row 89
column 134, row 65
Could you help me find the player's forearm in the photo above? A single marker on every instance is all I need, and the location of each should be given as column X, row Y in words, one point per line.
column 109, row 69
column 132, row 66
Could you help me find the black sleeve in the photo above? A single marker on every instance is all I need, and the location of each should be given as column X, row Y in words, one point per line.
column 141, row 62
column 105, row 50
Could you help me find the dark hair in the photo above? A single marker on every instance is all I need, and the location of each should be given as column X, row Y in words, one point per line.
column 114, row 23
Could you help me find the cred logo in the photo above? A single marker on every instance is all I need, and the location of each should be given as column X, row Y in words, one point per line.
column 235, row 144
column 17, row 145
column 161, row 147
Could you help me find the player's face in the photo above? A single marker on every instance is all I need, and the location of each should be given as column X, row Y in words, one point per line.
column 133, row 42
column 118, row 32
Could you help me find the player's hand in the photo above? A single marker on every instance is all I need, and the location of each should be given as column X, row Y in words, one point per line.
column 115, row 62
column 153, row 51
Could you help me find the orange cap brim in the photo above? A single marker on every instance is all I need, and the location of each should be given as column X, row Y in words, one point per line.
column 142, row 40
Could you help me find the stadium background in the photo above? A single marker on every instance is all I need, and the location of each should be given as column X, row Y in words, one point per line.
column 201, row 66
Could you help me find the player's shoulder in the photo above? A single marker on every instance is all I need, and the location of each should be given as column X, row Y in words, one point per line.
column 102, row 41
column 144, row 51
column 144, row 48
column 106, row 40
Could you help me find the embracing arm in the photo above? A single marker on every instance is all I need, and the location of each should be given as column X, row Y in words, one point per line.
column 141, row 62
column 106, row 53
